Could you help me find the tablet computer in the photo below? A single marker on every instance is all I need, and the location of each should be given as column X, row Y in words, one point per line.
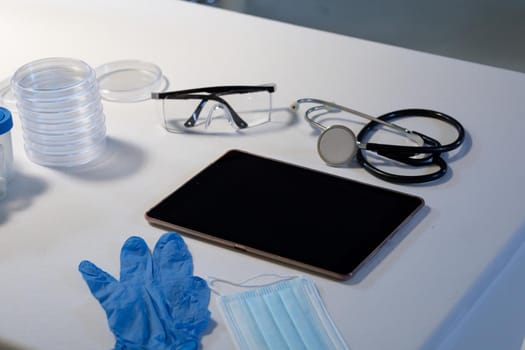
column 312, row 220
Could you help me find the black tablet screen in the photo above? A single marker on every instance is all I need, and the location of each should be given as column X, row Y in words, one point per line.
column 329, row 223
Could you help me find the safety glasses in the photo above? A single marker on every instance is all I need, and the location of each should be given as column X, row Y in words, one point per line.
column 215, row 109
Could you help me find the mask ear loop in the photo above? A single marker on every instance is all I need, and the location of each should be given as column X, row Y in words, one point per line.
column 245, row 284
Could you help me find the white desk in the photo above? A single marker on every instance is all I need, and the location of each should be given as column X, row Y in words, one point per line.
column 412, row 297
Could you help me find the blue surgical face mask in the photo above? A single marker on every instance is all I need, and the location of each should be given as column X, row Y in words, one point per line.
column 284, row 315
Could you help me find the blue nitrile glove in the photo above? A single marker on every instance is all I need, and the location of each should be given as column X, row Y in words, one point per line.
column 158, row 303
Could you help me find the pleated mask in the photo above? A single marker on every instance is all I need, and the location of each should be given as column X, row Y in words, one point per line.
column 287, row 314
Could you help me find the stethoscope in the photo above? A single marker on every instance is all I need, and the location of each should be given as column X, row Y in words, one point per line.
column 337, row 145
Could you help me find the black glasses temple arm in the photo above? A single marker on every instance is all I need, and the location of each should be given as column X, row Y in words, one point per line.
column 220, row 90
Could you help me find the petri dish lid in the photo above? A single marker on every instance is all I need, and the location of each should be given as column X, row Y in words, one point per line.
column 129, row 80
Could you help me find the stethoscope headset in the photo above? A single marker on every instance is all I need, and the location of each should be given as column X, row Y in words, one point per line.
column 337, row 144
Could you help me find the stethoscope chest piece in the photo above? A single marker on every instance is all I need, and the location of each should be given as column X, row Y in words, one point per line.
column 337, row 145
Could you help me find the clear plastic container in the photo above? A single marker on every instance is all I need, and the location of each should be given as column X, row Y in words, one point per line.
column 61, row 113
column 3, row 175
column 6, row 150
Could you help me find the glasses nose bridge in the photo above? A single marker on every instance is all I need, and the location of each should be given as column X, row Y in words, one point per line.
column 217, row 111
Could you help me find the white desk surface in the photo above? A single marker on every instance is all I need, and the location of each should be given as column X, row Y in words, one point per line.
column 413, row 296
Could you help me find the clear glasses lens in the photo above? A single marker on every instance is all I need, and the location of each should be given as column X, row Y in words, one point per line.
column 201, row 116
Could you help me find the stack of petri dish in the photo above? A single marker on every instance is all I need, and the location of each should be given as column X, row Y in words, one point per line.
column 60, row 110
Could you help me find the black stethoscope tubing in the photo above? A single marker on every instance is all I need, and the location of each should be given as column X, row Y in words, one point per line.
column 432, row 149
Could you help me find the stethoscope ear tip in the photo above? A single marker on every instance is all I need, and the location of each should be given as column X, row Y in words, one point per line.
column 293, row 106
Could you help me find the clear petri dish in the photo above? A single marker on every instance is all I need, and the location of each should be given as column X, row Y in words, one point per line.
column 52, row 78
column 65, row 119
column 49, row 98
column 58, row 148
column 75, row 102
column 129, row 80
column 36, row 133
column 67, row 159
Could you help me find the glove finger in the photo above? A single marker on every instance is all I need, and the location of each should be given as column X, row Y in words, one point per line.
column 100, row 283
column 172, row 258
column 200, row 292
column 191, row 307
column 189, row 294
column 135, row 260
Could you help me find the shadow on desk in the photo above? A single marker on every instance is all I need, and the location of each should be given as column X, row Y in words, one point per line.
column 20, row 193
column 9, row 346
column 120, row 159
